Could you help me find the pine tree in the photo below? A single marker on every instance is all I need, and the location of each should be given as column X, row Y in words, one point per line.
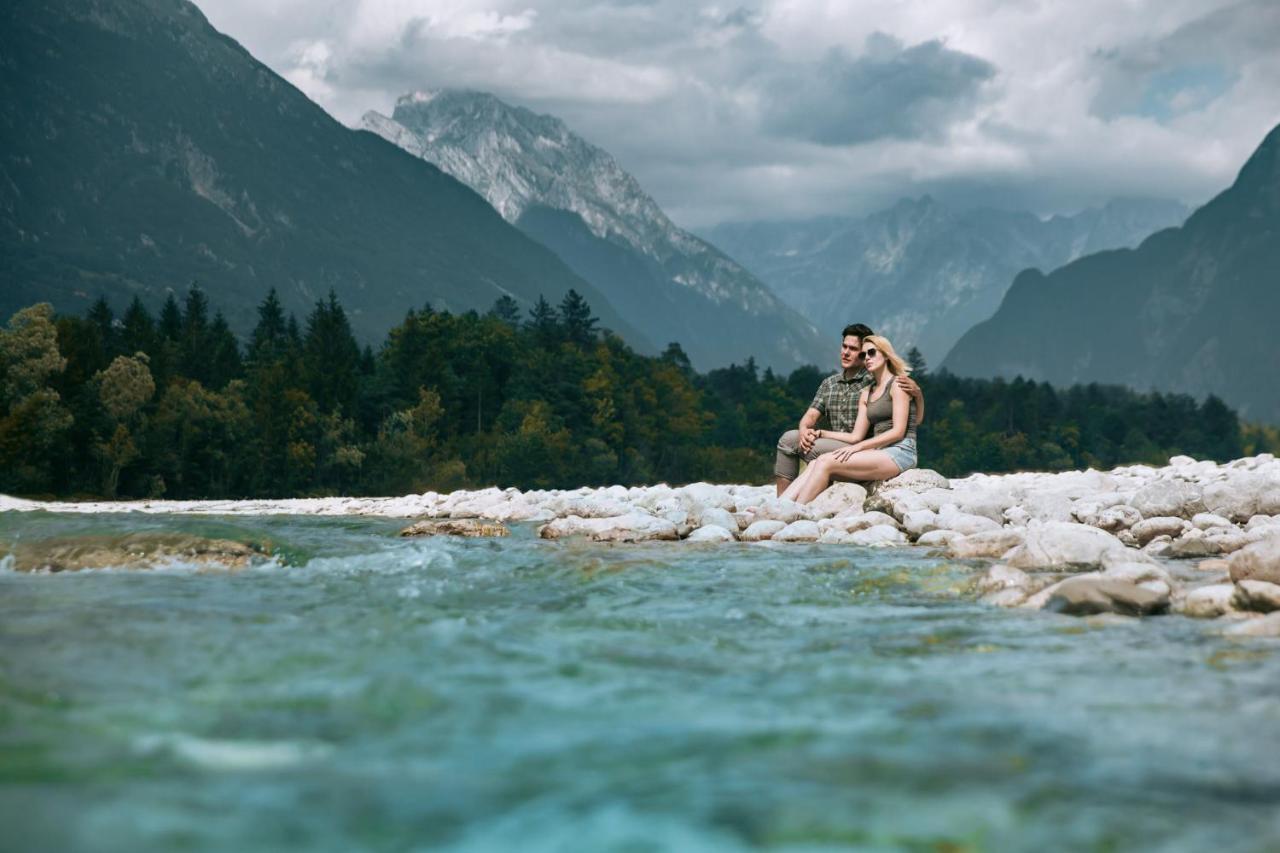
column 919, row 367
column 224, row 353
column 331, row 357
column 544, row 323
column 194, row 346
column 104, row 320
column 138, row 330
column 575, row 314
column 506, row 309
column 171, row 320
column 269, row 340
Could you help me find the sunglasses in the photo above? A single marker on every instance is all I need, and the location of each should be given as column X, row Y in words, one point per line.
column 870, row 352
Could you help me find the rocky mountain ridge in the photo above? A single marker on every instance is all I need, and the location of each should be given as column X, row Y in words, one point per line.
column 575, row 198
column 922, row 271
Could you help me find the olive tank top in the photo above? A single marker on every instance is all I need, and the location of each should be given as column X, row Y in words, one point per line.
column 880, row 413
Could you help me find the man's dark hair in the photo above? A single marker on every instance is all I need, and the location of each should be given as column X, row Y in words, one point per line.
column 858, row 330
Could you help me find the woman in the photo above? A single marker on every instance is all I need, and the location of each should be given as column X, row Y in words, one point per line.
column 885, row 412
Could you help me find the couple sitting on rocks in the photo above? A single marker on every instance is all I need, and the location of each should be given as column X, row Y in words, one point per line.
column 861, row 425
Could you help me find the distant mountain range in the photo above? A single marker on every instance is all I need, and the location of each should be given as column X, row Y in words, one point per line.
column 574, row 198
column 143, row 150
column 1192, row 309
column 922, row 272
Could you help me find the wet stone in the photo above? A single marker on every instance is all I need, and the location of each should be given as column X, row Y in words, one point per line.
column 469, row 527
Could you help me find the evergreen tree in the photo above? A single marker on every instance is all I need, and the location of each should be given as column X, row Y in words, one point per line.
column 544, row 324
column 331, row 357
column 138, row 330
column 919, row 367
column 104, row 321
column 224, row 353
column 507, row 310
column 171, row 320
column 194, row 346
column 269, row 341
column 575, row 315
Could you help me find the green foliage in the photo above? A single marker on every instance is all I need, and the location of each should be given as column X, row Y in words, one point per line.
column 464, row 400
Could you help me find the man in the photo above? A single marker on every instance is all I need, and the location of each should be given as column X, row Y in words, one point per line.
column 836, row 401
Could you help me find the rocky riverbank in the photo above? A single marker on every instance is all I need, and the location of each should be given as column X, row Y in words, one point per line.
column 1195, row 538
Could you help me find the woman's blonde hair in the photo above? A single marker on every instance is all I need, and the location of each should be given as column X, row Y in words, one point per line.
column 893, row 361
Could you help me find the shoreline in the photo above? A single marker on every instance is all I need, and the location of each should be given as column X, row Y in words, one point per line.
column 1192, row 537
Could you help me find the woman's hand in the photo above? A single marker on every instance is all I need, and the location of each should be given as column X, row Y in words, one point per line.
column 846, row 454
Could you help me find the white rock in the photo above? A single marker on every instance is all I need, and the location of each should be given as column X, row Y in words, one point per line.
column 1137, row 573
column 938, row 537
column 1168, row 497
column 1207, row 602
column 919, row 521
column 1259, row 561
column 837, row 498
column 719, row 517
column 918, row 480
column 777, row 509
column 635, row 527
column 1116, row 518
column 1243, row 495
column 708, row 495
column 761, row 530
column 1000, row 577
column 1046, row 506
column 951, row 518
column 1065, row 546
column 1017, row 516
column 1258, row 522
column 1181, row 461
column 1209, row 520
column 711, row 533
column 994, row 543
column 853, row 523
column 802, row 530
column 1010, row 597
column 1267, row 626
column 1162, row 525
column 1259, row 596
column 879, row 535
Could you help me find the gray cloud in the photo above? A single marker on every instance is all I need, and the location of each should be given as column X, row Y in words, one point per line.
column 888, row 91
column 791, row 108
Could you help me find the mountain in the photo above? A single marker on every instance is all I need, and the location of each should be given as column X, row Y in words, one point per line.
column 923, row 272
column 1192, row 309
column 574, row 198
column 143, row 150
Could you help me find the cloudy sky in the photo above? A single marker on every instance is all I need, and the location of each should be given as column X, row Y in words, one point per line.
column 791, row 108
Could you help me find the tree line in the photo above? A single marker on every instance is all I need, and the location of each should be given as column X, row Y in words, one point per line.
column 174, row 405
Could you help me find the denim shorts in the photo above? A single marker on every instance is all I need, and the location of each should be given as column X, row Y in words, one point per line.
column 903, row 454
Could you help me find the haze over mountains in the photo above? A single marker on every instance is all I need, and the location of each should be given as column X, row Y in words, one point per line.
column 144, row 150
column 1192, row 309
column 923, row 272
column 574, row 198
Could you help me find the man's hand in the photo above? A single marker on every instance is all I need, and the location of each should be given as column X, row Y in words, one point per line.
column 906, row 383
column 807, row 438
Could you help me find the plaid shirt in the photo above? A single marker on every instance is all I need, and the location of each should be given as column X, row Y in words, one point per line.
column 837, row 399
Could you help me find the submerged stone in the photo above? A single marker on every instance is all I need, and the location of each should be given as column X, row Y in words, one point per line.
column 133, row 551
column 470, row 527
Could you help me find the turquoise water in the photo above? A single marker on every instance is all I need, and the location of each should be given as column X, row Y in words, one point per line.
column 373, row 693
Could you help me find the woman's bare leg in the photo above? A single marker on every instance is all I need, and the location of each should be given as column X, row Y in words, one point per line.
column 863, row 465
column 797, row 484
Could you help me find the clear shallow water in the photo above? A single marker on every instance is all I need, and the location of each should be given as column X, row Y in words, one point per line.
column 378, row 693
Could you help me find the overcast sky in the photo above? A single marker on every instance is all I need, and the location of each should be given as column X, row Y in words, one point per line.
column 791, row 108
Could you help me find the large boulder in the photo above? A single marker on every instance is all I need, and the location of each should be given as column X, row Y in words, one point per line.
column 778, row 509
column 801, row 530
column 1161, row 525
column 938, row 538
column 1259, row 561
column 918, row 522
column 854, row 523
column 1208, row 602
column 1242, row 495
column 719, row 517
column 993, row 543
column 918, row 480
column 633, row 527
column 877, row 536
column 1086, row 596
column 1168, row 497
column 950, row 517
column 1064, row 546
column 711, row 533
column 1259, row 596
column 837, row 498
column 758, row 531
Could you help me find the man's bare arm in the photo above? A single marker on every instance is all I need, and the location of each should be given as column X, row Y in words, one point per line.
column 906, row 383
